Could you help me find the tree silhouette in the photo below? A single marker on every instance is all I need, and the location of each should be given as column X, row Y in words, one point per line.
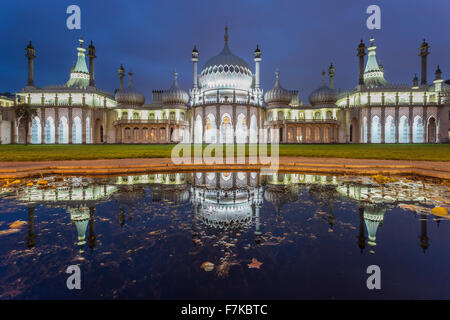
column 25, row 112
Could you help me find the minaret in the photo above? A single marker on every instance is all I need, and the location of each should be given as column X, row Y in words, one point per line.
column 361, row 53
column 361, row 236
column 31, row 237
column 257, row 55
column 30, row 55
column 438, row 79
column 92, row 236
column 331, row 75
column 195, row 61
column 91, row 55
column 415, row 81
column 424, row 53
column 121, row 76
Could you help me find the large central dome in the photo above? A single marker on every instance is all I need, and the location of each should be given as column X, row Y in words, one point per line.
column 226, row 71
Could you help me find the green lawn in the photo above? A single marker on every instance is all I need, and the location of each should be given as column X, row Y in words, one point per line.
column 431, row 152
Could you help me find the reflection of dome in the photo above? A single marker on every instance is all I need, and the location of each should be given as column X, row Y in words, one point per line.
column 80, row 217
column 226, row 70
column 277, row 95
column 130, row 96
column 373, row 217
column 175, row 95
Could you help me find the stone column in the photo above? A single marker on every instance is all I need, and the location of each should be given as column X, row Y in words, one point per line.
column 383, row 124
column 369, row 125
column 248, row 125
column 203, row 123
column 83, row 126
column 397, row 122
column 217, row 124
column 410, row 124
column 56, row 126
column 70, row 123
column 234, row 123
column 42, row 125
column 425, row 123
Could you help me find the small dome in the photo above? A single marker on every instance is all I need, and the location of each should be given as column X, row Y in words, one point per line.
column 130, row 96
column 175, row 95
column 278, row 95
column 323, row 96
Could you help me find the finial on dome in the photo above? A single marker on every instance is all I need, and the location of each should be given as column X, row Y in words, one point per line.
column 226, row 34
column 323, row 76
column 81, row 42
column 130, row 74
column 371, row 41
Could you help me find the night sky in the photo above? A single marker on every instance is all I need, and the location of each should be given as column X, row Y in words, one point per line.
column 153, row 38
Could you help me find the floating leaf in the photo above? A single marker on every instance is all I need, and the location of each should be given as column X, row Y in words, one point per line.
column 255, row 264
column 17, row 224
column 440, row 212
column 207, row 266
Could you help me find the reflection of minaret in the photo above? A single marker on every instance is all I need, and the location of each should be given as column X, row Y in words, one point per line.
column 423, row 233
column 195, row 232
column 121, row 215
column 373, row 217
column 92, row 236
column 331, row 219
column 256, row 208
column 80, row 217
column 361, row 236
column 31, row 237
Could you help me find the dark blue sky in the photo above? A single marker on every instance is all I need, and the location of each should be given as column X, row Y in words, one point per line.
column 155, row 37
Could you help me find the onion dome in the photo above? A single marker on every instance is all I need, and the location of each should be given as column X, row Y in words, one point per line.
column 129, row 96
column 226, row 70
column 278, row 95
column 79, row 75
column 373, row 74
column 323, row 96
column 175, row 95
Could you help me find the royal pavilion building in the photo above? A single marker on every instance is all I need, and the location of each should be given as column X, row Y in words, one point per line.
column 226, row 104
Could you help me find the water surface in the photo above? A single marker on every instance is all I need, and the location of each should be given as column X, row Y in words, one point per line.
column 156, row 236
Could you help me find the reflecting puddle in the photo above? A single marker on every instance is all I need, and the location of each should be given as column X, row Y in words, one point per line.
column 224, row 235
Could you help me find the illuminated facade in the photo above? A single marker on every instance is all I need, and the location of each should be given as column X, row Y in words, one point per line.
column 226, row 104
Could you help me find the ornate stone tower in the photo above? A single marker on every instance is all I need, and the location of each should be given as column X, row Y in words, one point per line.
column 423, row 52
column 361, row 53
column 91, row 55
column 31, row 54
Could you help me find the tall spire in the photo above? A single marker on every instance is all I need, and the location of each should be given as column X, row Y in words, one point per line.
column 79, row 75
column 226, row 35
column 323, row 77
column 373, row 75
column 130, row 75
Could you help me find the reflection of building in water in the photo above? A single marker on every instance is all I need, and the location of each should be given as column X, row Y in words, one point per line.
column 373, row 217
column 223, row 200
column 227, row 200
column 80, row 218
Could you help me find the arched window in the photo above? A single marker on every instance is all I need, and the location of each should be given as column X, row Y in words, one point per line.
column 136, row 134
column 145, row 134
column 127, row 134
column 376, row 130
column 162, row 135
column 152, row 116
column 317, row 115
column 49, row 131
column 329, row 115
column 125, row 115
column 301, row 115
column 403, row 130
column 136, row 116
column 172, row 115
column 389, row 130
column 36, row 131
column 76, row 130
column 418, row 130
column 270, row 116
column 280, row 115
column 182, row 116
column 63, row 131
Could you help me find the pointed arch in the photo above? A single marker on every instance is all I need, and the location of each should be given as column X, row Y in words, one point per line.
column 375, row 130
column 36, row 132
column 63, row 131
column 49, row 131
column 389, row 130
column 76, row 130
column 403, row 130
column 418, row 130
